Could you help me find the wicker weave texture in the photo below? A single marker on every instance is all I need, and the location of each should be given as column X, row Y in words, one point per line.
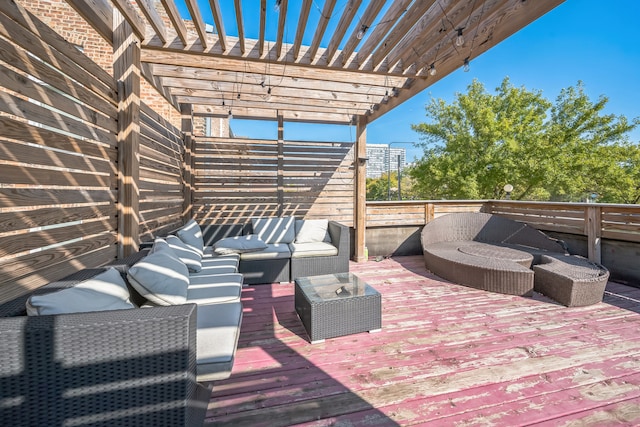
column 118, row 368
column 315, row 266
column 334, row 318
column 571, row 281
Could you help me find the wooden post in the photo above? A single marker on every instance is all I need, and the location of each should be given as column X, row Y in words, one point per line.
column 186, row 110
column 126, row 70
column 429, row 212
column 593, row 230
column 280, row 178
column 360, row 198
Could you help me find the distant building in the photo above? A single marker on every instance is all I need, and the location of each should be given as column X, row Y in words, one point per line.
column 379, row 156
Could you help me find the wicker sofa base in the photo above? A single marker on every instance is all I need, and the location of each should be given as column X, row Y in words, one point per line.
column 570, row 280
column 488, row 274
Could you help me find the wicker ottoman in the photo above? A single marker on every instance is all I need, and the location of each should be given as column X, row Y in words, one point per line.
column 334, row 305
column 570, row 280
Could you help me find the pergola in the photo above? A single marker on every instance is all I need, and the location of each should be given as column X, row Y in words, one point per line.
column 372, row 63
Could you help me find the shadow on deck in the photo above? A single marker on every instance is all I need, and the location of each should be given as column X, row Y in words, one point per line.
column 447, row 355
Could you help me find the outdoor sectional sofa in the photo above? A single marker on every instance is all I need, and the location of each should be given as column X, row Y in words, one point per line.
column 291, row 247
column 136, row 342
column 497, row 254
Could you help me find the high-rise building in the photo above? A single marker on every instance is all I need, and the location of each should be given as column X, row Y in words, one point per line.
column 383, row 158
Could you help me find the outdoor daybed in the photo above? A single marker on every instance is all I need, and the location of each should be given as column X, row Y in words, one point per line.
column 281, row 249
column 497, row 254
column 129, row 343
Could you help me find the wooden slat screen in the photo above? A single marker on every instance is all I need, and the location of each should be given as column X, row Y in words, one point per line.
column 236, row 179
column 412, row 213
column 161, row 167
column 559, row 217
column 57, row 156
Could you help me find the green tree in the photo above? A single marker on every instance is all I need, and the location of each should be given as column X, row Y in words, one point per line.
column 378, row 188
column 548, row 151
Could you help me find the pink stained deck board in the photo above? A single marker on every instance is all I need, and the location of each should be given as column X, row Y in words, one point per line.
column 447, row 355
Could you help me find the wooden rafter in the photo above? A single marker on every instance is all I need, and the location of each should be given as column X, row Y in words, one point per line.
column 393, row 14
column 217, row 18
column 196, row 16
column 361, row 29
column 154, row 19
column 263, row 25
column 302, row 24
column 282, row 17
column 240, row 23
column 408, row 20
column 177, row 22
column 517, row 14
column 345, row 21
column 100, row 16
column 322, row 26
column 369, row 76
column 131, row 16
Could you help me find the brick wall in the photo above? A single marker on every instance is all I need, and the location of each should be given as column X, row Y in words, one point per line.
column 69, row 24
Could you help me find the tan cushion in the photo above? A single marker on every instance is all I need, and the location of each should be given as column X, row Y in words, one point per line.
column 303, row 250
column 312, row 230
column 105, row 291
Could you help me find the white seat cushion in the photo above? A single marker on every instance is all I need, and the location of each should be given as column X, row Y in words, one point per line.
column 303, row 250
column 214, row 294
column 239, row 244
column 218, row 328
column 273, row 251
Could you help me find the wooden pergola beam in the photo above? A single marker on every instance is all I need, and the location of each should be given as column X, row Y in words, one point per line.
column 345, row 21
column 320, row 29
column 217, row 19
column 360, row 196
column 126, row 70
column 196, row 17
column 176, row 20
column 240, row 23
column 302, row 25
column 150, row 12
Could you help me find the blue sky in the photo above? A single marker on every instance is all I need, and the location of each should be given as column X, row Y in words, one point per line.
column 591, row 41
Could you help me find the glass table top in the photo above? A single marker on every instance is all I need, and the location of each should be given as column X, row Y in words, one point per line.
column 334, row 286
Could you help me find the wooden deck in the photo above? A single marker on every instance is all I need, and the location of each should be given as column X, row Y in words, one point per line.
column 447, row 355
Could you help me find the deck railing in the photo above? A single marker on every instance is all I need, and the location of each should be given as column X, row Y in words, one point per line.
column 605, row 233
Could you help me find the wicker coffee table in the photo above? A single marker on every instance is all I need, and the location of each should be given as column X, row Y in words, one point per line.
column 334, row 305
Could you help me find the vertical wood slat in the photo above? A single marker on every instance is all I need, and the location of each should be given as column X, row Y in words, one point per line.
column 127, row 72
column 360, row 189
column 187, row 128
column 280, row 183
column 593, row 231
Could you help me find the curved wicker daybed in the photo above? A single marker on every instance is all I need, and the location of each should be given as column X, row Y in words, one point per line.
column 486, row 251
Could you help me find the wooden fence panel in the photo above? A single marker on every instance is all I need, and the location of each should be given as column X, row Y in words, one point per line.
column 161, row 171
column 236, row 179
column 57, row 155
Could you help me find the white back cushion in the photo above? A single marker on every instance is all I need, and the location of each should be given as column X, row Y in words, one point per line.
column 191, row 234
column 187, row 254
column 275, row 230
column 311, row 230
column 105, row 291
column 161, row 278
